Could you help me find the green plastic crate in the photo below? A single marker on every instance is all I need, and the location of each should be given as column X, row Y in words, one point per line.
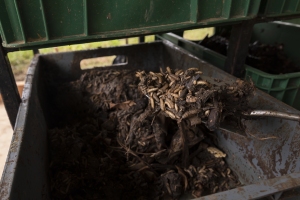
column 35, row 23
column 285, row 87
column 274, row 8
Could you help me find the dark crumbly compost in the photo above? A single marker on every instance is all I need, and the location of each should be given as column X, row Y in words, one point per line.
column 138, row 135
column 265, row 57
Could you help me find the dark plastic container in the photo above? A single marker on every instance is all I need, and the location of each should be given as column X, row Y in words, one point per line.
column 264, row 166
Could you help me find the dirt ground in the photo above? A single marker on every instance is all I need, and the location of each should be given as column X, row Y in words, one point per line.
column 5, row 136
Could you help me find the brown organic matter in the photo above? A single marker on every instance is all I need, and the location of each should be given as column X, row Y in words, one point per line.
column 119, row 136
column 265, row 57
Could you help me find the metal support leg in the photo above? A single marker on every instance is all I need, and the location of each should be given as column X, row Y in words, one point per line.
column 141, row 39
column 36, row 51
column 8, row 88
column 238, row 48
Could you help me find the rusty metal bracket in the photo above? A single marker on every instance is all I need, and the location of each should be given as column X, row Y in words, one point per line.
column 8, row 88
column 238, row 48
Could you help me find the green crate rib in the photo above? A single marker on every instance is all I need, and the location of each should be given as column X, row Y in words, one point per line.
column 40, row 23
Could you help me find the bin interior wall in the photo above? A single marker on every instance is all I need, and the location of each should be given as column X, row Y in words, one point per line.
column 25, row 174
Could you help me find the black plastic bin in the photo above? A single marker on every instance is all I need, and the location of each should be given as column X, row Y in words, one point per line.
column 265, row 167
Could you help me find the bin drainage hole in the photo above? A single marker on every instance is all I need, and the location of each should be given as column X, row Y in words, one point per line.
column 103, row 61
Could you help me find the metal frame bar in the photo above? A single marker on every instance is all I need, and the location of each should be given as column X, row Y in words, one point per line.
column 8, row 88
column 238, row 48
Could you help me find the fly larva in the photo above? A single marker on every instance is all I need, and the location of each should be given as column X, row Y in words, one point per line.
column 228, row 171
column 189, row 172
column 226, row 186
column 189, row 113
column 178, row 89
column 173, row 111
column 169, row 70
column 161, row 71
column 171, row 78
column 152, row 101
column 168, row 188
column 207, row 113
column 174, row 77
column 223, row 174
column 116, row 73
column 152, row 73
column 142, row 143
column 142, row 87
column 154, row 77
column 155, row 97
column 216, row 152
column 209, row 104
column 169, row 103
column 163, row 88
column 178, row 72
column 177, row 86
column 193, row 69
column 170, row 114
column 201, row 83
column 198, row 72
column 195, row 121
column 171, row 83
column 171, row 90
column 174, row 95
column 188, row 77
column 160, row 80
column 162, row 104
column 138, row 74
column 176, row 107
column 215, row 189
column 152, row 90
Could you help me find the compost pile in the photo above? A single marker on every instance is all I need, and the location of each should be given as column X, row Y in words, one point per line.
column 265, row 57
column 139, row 135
